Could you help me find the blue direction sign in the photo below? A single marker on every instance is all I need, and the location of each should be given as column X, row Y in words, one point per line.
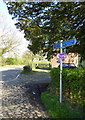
column 56, row 45
column 65, row 44
column 69, row 43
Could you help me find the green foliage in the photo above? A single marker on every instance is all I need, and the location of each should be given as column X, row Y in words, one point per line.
column 73, row 84
column 2, row 61
column 28, row 59
column 47, row 22
column 26, row 69
column 14, row 61
column 11, row 61
column 55, row 79
column 57, row 110
column 43, row 65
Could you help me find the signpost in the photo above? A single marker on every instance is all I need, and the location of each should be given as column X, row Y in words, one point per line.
column 65, row 44
column 61, row 55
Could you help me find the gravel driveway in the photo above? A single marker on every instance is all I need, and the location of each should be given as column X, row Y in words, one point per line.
column 20, row 94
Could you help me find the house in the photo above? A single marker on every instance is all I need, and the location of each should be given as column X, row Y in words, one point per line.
column 71, row 58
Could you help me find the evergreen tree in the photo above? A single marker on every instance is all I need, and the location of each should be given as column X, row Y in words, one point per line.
column 45, row 23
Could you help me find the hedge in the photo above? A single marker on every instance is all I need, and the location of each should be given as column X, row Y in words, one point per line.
column 73, row 84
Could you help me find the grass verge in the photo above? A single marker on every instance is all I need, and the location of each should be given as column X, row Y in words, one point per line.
column 59, row 110
column 27, row 72
column 34, row 71
column 8, row 66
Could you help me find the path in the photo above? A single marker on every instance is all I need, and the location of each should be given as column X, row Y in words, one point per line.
column 20, row 94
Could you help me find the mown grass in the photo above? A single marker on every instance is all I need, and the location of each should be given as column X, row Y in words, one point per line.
column 41, row 70
column 59, row 110
column 7, row 66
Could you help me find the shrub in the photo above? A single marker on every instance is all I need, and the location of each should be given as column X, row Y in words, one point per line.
column 55, row 79
column 40, row 65
column 73, row 84
column 27, row 69
column 11, row 61
column 43, row 64
column 14, row 61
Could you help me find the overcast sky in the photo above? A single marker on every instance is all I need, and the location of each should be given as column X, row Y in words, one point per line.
column 7, row 24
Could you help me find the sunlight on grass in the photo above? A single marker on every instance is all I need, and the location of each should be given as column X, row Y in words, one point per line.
column 8, row 66
column 58, row 110
column 41, row 70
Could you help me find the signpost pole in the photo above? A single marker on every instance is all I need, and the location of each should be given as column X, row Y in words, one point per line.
column 61, row 72
column 63, row 45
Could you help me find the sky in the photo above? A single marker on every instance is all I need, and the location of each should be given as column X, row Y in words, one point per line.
column 7, row 26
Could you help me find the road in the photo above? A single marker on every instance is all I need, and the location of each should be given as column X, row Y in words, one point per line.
column 20, row 94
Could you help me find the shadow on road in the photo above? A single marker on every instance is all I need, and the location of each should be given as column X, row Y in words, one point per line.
column 21, row 96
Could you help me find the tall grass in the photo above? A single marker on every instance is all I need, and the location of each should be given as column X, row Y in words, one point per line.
column 57, row 110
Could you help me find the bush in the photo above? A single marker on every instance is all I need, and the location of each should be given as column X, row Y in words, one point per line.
column 11, row 61
column 40, row 65
column 73, row 84
column 27, row 69
column 43, row 65
column 55, row 79
column 2, row 61
column 14, row 61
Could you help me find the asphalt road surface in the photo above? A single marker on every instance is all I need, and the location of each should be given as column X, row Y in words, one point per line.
column 20, row 94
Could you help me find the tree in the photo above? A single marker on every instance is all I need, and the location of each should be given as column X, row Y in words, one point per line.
column 46, row 23
column 9, row 42
column 11, row 38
